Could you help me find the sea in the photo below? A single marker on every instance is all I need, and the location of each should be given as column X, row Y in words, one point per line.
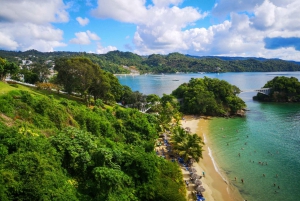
column 262, row 148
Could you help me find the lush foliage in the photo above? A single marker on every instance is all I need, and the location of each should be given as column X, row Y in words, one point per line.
column 81, row 75
column 186, row 145
column 208, row 97
column 283, row 89
column 7, row 68
column 124, row 62
column 58, row 149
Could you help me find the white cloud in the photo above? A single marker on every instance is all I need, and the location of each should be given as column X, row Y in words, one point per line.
column 242, row 34
column 24, row 36
column 27, row 24
column 92, row 35
column 84, row 38
column 104, row 50
column 81, row 38
column 121, row 10
column 34, row 11
column 264, row 16
column 163, row 3
column 82, row 21
column 7, row 42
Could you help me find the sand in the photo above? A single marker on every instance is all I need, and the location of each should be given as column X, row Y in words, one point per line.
column 217, row 188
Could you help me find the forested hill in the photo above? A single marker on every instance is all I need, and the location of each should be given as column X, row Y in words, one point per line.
column 126, row 62
column 55, row 148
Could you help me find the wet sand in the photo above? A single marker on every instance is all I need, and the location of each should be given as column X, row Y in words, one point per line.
column 216, row 187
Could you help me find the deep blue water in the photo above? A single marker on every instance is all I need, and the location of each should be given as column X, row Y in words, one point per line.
column 269, row 133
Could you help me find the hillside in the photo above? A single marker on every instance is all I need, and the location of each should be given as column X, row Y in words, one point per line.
column 54, row 148
column 120, row 62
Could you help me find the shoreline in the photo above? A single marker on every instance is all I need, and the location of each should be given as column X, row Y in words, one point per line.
column 217, row 187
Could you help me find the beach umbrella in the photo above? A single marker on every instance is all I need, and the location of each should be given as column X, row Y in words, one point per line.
column 198, row 182
column 200, row 188
column 194, row 170
column 188, row 129
column 195, row 176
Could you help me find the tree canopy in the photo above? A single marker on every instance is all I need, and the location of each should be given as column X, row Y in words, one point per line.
column 52, row 148
column 7, row 68
column 283, row 89
column 81, row 75
column 208, row 97
column 122, row 62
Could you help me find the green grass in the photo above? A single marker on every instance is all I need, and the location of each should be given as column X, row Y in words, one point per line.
column 4, row 88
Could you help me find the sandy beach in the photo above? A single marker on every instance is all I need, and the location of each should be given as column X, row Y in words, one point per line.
column 216, row 187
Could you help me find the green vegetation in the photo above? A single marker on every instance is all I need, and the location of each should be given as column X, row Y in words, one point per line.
column 52, row 148
column 283, row 89
column 209, row 97
column 7, row 68
column 187, row 145
column 125, row 62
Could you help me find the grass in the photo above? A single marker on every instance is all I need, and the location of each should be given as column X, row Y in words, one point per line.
column 4, row 88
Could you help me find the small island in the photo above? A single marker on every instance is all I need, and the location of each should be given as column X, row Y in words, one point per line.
column 210, row 97
column 282, row 89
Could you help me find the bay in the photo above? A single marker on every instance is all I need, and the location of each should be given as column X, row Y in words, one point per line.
column 263, row 148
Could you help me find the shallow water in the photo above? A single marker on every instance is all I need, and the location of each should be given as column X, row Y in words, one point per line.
column 270, row 133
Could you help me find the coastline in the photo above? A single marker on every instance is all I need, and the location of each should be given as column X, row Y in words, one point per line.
column 217, row 187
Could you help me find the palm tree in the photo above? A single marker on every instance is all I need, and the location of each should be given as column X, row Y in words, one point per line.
column 187, row 145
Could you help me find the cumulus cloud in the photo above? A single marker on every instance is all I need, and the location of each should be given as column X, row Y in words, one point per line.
column 242, row 34
column 7, row 43
column 27, row 24
column 264, row 16
column 132, row 12
column 82, row 21
column 24, row 36
column 84, row 38
column 163, row 3
column 159, row 26
column 34, row 11
column 92, row 36
column 225, row 7
column 104, row 50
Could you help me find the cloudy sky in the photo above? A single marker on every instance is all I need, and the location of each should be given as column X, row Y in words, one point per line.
column 255, row 28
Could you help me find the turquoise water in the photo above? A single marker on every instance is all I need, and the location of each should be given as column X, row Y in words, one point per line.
column 270, row 133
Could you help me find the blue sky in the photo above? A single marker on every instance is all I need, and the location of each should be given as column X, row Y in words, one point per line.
column 252, row 28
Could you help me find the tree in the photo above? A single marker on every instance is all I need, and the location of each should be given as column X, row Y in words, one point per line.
column 209, row 97
column 187, row 145
column 41, row 70
column 7, row 68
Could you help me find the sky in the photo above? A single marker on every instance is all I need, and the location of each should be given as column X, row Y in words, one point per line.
column 247, row 28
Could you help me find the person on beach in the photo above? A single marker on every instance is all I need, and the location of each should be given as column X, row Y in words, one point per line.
column 203, row 173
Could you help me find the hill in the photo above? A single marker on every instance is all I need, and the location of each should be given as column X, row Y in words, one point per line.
column 123, row 62
column 54, row 148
